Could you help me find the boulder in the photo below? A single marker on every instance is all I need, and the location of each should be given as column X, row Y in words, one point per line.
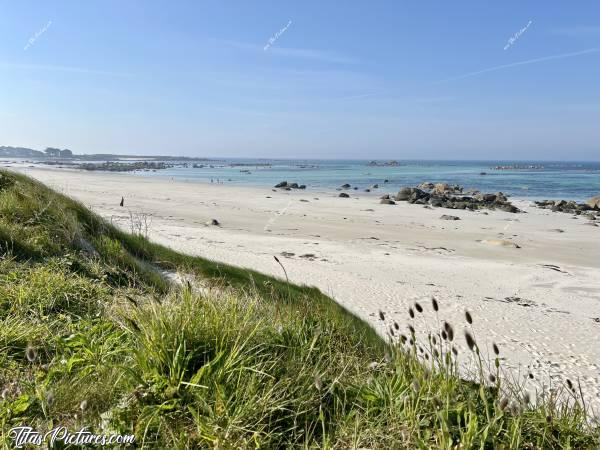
column 344, row 195
column 346, row 186
column 441, row 188
column 594, row 202
column 403, row 194
column 385, row 197
column 282, row 184
column 294, row 185
column 387, row 201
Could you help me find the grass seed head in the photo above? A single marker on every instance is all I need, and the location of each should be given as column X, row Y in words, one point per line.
column 469, row 317
column 31, row 353
column 318, row 383
column 470, row 341
column 496, row 349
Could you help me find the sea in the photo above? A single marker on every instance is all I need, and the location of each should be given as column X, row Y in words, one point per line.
column 532, row 180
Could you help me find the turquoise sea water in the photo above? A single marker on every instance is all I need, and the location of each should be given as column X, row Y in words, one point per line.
column 549, row 180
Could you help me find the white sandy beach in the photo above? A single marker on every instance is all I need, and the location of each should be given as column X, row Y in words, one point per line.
column 538, row 302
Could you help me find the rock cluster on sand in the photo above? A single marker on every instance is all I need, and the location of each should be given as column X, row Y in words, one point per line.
column 594, row 202
column 289, row 186
column 445, row 196
column 591, row 209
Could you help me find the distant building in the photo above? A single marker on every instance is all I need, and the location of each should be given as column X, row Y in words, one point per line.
column 52, row 152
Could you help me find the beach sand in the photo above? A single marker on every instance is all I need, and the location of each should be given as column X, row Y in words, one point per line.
column 540, row 303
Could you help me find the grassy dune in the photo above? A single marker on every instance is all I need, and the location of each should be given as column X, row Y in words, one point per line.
column 93, row 334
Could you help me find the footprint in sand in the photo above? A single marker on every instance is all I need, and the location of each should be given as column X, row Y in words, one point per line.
column 500, row 243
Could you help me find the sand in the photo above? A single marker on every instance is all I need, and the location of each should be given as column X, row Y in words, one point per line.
column 531, row 281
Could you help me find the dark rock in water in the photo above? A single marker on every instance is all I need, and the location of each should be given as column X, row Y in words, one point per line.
column 367, row 190
column 294, row 185
column 387, row 201
column 386, row 181
column 375, row 186
column 447, row 217
column 282, row 184
column 346, row 186
column 356, row 188
column 482, row 173
column 302, row 186
column 344, row 195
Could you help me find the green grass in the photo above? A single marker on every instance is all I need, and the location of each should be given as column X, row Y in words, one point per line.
column 250, row 362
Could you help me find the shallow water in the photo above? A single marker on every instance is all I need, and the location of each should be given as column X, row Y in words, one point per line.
column 555, row 180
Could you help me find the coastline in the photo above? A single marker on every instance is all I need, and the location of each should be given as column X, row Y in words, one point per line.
column 537, row 302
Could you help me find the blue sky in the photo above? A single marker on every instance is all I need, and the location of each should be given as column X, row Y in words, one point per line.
column 352, row 79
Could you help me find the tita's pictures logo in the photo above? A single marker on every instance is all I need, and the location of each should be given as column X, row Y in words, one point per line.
column 25, row 436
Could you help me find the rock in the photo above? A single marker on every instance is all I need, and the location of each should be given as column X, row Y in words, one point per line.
column 293, row 185
column 594, row 202
column 387, row 201
column 404, row 194
column 488, row 197
column 375, row 186
column 482, row 173
column 346, row 186
column 385, row 197
column 441, row 188
column 215, row 222
column 302, row 186
column 344, row 195
column 426, row 185
column 367, row 190
column 509, row 208
column 447, row 217
column 282, row 184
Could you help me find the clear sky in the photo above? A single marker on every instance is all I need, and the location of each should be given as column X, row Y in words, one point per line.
column 308, row 78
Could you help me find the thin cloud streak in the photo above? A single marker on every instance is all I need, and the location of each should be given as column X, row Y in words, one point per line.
column 520, row 63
